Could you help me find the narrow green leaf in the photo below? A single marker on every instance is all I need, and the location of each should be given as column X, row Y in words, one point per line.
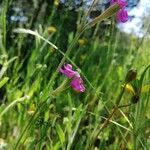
column 60, row 134
column 142, row 77
column 3, row 81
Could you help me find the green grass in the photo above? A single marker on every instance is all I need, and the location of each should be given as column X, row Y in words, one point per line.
column 36, row 114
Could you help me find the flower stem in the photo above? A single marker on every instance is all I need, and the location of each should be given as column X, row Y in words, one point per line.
column 98, row 131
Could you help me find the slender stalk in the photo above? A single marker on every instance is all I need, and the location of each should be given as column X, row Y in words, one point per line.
column 126, row 105
column 4, row 25
column 95, row 134
column 13, row 104
column 29, row 124
column 90, row 9
column 65, row 56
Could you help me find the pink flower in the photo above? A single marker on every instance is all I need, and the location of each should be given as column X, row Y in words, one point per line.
column 121, row 3
column 122, row 16
column 67, row 70
column 77, row 84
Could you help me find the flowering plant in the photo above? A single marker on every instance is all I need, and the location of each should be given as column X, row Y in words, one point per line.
column 122, row 14
column 77, row 82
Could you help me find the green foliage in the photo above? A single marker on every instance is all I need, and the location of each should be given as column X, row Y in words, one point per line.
column 38, row 108
column 3, row 81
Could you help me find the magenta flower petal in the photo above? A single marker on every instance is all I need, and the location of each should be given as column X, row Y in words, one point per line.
column 121, row 3
column 122, row 16
column 77, row 84
column 67, row 71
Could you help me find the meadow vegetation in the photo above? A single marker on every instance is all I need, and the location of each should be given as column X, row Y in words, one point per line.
column 39, row 109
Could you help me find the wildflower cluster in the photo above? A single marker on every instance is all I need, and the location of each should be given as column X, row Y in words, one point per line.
column 122, row 14
column 77, row 82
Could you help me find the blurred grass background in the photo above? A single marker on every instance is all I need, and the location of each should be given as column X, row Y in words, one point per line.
column 104, row 55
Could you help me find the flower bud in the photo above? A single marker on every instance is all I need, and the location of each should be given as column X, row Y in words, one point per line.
column 106, row 14
column 135, row 99
column 52, row 29
column 131, row 75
